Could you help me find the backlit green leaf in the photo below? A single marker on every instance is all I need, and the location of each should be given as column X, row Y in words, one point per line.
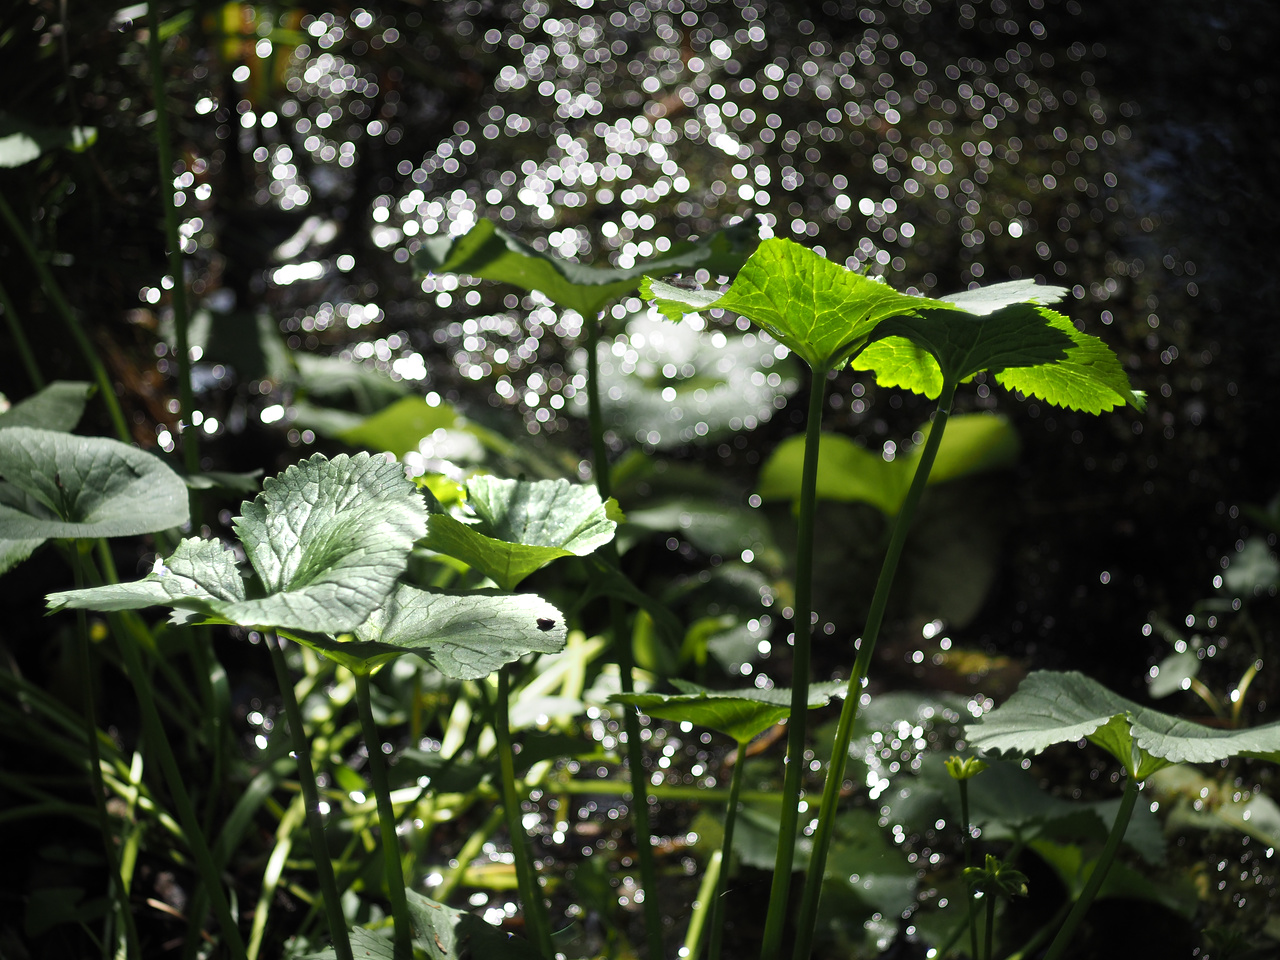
column 399, row 427
column 21, row 142
column 522, row 526
column 58, row 406
column 64, row 486
column 818, row 309
column 973, row 443
column 464, row 636
column 1051, row 708
column 490, row 253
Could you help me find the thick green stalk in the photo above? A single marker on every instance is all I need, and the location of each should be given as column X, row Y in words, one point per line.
column 963, row 784
column 153, row 727
column 116, row 877
column 535, row 908
column 20, row 339
column 311, row 797
column 181, row 315
column 63, row 309
column 849, row 711
column 403, row 943
column 780, row 892
column 626, row 664
column 1100, row 870
column 726, row 852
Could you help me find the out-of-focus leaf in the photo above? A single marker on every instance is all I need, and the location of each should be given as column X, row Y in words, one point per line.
column 21, row 142
column 1175, row 672
column 1122, row 881
column 58, row 406
column 223, row 480
column 1193, row 800
column 869, row 865
column 399, row 427
column 1253, row 569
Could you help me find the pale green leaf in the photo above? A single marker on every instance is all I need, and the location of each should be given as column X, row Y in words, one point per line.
column 58, row 406
column 465, row 636
column 1051, row 708
column 1253, row 569
column 399, row 427
column 818, row 309
column 490, row 253
column 21, row 142
column 984, row 300
column 972, row 443
column 1174, row 673
column 64, row 486
column 522, row 526
column 741, row 714
column 13, row 552
column 1122, row 882
column 247, row 482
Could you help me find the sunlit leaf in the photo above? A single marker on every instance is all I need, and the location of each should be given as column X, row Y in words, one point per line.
column 58, row 406
column 1052, row 707
column 522, row 526
column 465, row 636
column 490, row 253
column 64, row 486
column 399, row 427
column 869, row 864
column 22, row 142
column 818, row 309
column 445, row 933
column 985, row 300
column 326, row 538
column 972, row 443
column 741, row 714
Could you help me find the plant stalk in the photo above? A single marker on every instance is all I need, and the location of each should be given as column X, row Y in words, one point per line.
column 403, row 942
column 989, row 933
column 20, row 339
column 535, row 908
column 626, row 662
column 849, row 711
column 311, row 797
column 726, row 853
column 181, row 315
column 1100, row 870
column 779, row 893
column 968, row 862
column 63, row 309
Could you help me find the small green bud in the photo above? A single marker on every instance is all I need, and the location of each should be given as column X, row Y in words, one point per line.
column 964, row 769
column 996, row 876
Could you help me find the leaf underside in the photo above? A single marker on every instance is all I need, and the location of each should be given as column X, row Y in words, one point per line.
column 1051, row 707
column 741, row 714
column 58, row 406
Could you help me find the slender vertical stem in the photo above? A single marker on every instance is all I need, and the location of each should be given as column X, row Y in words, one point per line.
column 849, row 710
column 989, row 933
column 779, row 894
column 702, row 907
column 403, row 949
column 726, row 853
column 164, row 152
column 63, row 309
column 626, row 664
column 968, row 862
column 311, row 797
column 1100, row 869
column 535, row 908
column 115, row 877
column 20, row 339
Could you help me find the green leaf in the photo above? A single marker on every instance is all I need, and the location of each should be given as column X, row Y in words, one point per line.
column 741, row 714
column 64, row 486
column 1122, row 881
column 247, row 482
column 490, row 253
column 22, row 142
column 1253, row 569
column 986, row 300
column 869, row 865
column 819, row 310
column 1027, row 348
column 445, row 933
column 326, row 538
column 399, row 427
column 678, row 384
column 522, row 526
column 1174, row 673
column 58, row 406
column 13, row 552
column 1051, row 708
column 465, row 636
column 973, row 443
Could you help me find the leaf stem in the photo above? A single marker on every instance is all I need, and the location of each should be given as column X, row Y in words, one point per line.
column 626, row 661
column 849, row 711
column 963, row 784
column 403, row 946
column 63, row 309
column 20, row 339
column 989, row 932
column 779, row 893
column 726, row 853
column 535, row 908
column 1100, row 869
column 311, row 797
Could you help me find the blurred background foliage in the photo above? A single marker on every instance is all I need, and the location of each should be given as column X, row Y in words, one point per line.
column 1126, row 153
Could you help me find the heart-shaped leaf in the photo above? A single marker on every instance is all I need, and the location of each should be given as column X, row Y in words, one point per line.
column 819, row 310
column 1052, row 707
column 1027, row 348
column 64, row 486
column 490, row 253
column 326, row 538
column 973, row 443
column 522, row 526
column 58, row 406
column 741, row 714
column 464, row 636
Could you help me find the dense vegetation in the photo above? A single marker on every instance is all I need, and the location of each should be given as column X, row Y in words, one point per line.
column 327, row 168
